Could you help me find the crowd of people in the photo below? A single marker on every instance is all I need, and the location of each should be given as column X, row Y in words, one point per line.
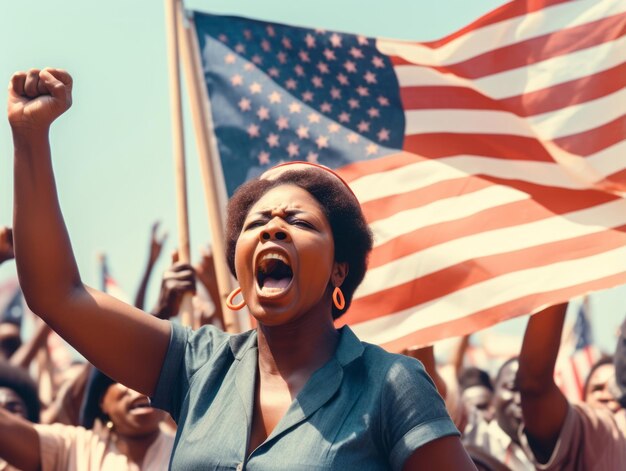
column 293, row 393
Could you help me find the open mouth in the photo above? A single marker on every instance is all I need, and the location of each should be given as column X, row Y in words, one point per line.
column 273, row 273
column 140, row 404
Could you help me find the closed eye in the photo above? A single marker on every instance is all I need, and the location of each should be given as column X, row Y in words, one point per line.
column 255, row 223
column 301, row 223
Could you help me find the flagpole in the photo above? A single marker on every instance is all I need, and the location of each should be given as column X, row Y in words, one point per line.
column 207, row 150
column 171, row 10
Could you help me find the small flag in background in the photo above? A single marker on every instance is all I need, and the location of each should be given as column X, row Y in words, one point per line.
column 109, row 285
column 490, row 164
column 578, row 354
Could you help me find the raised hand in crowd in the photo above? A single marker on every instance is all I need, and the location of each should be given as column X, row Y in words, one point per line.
column 6, row 244
column 558, row 434
column 178, row 280
column 117, row 338
column 156, row 246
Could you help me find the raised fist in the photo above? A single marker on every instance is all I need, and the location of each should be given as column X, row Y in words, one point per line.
column 38, row 97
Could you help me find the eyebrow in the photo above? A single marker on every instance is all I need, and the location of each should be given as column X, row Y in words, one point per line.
column 268, row 212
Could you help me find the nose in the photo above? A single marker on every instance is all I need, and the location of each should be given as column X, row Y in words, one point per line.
column 517, row 398
column 273, row 231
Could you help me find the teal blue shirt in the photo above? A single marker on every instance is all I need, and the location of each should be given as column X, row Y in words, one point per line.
column 365, row 409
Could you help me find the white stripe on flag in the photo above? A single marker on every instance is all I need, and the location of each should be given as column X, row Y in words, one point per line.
column 534, row 77
column 508, row 239
column 503, row 289
column 548, row 20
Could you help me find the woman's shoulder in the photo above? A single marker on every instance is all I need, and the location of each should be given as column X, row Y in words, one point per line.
column 392, row 364
column 387, row 369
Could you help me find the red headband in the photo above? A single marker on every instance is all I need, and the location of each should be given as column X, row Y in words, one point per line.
column 267, row 175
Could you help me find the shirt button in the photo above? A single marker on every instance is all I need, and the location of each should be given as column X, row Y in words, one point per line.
column 239, row 466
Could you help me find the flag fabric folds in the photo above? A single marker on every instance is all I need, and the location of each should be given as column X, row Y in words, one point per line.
column 491, row 164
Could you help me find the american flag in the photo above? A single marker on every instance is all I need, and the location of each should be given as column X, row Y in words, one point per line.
column 577, row 356
column 108, row 283
column 490, row 164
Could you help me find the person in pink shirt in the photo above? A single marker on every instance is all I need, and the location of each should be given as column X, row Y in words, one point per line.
column 558, row 435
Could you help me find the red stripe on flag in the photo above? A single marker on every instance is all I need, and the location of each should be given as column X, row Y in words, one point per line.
column 432, row 235
column 443, row 282
column 546, row 201
column 615, row 181
column 535, row 50
column 484, row 318
column 505, row 12
column 549, row 99
column 592, row 141
column 436, row 145
column 567, row 94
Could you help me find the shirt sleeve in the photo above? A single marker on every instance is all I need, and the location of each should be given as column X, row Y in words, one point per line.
column 413, row 412
column 58, row 445
column 585, row 437
column 188, row 351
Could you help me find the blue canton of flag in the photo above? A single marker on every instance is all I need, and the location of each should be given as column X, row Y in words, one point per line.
column 286, row 93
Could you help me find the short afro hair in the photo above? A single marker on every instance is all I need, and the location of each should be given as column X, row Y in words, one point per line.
column 97, row 385
column 473, row 376
column 18, row 380
column 351, row 234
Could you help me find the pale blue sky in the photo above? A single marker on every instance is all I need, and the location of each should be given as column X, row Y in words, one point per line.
column 112, row 151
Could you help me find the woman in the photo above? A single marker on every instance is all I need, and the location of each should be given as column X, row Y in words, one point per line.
column 120, row 432
column 293, row 394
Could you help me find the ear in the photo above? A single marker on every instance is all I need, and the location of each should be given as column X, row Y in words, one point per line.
column 339, row 273
column 103, row 406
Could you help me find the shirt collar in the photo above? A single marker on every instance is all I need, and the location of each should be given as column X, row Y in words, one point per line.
column 349, row 348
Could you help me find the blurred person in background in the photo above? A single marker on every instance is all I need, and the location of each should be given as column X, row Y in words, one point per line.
column 559, row 435
column 499, row 437
column 477, row 392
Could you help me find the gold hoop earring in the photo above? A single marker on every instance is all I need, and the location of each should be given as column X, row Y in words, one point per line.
column 231, row 297
column 338, row 300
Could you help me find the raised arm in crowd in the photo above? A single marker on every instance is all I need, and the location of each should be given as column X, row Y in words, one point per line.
column 117, row 338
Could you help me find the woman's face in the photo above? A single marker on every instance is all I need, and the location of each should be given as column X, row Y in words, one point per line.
column 130, row 411
column 284, row 256
column 598, row 393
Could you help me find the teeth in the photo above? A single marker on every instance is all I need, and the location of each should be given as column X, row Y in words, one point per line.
column 274, row 256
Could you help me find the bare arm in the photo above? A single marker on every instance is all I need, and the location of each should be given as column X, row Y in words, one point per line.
column 156, row 245
column 27, row 351
column 544, row 406
column 20, row 442
column 458, row 354
column 443, row 453
column 119, row 339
